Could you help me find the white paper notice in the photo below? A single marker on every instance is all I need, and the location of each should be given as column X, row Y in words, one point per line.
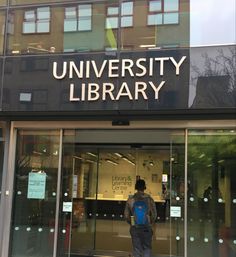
column 175, row 211
column 67, row 207
column 36, row 185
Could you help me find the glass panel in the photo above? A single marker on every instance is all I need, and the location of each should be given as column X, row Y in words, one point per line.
column 171, row 18
column 29, row 27
column 30, row 15
column 211, row 193
column 88, row 33
column 19, row 2
column 112, row 11
column 85, row 10
column 2, row 28
column 155, row 6
column 104, row 178
column 143, row 36
column 116, row 180
column 155, row 19
column 70, row 25
column 43, row 26
column 204, row 31
column 127, row 21
column 79, row 184
column 171, row 5
column 112, row 23
column 3, row 2
column 84, row 24
column 33, row 219
column 212, row 73
column 127, row 8
column 70, row 12
column 43, row 13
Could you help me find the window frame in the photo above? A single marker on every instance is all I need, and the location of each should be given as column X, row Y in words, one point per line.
column 36, row 20
column 119, row 15
column 162, row 12
column 78, row 18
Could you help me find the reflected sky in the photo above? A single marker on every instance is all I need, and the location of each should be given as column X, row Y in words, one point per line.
column 212, row 22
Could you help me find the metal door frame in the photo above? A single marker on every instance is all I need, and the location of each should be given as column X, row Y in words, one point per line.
column 10, row 151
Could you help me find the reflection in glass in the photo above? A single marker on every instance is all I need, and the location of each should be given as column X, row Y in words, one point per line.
column 211, row 180
column 171, row 5
column 95, row 27
column 97, row 182
column 33, row 220
column 79, row 183
column 3, row 2
column 2, row 27
column 37, row 20
column 153, row 26
column 171, row 18
column 1, row 159
column 155, row 6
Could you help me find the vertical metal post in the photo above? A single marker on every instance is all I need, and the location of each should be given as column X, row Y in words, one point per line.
column 8, row 189
column 170, row 192
column 6, row 139
column 58, row 196
column 186, row 193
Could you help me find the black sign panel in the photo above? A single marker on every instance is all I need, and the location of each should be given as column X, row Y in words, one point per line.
column 154, row 80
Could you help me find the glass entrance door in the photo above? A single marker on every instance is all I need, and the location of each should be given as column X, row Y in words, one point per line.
column 99, row 174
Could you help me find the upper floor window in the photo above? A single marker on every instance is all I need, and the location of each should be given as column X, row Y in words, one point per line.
column 163, row 12
column 112, row 20
column 78, row 18
column 37, row 20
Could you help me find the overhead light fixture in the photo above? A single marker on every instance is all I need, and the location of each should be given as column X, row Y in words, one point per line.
column 147, row 46
column 201, row 156
column 112, row 162
column 77, row 157
column 92, row 154
column 129, row 161
column 36, row 152
column 91, row 161
column 118, row 154
column 151, row 163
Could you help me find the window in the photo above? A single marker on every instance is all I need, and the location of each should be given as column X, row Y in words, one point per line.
column 37, row 20
column 163, row 12
column 78, row 18
column 126, row 16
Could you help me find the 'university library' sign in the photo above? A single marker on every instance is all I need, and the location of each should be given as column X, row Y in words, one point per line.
column 113, row 79
column 147, row 80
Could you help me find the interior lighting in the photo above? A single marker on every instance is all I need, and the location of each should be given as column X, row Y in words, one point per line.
column 151, row 163
column 92, row 154
column 129, row 161
column 112, row 162
column 118, row 154
column 147, row 46
column 91, row 161
column 15, row 51
column 77, row 157
column 201, row 156
column 36, row 152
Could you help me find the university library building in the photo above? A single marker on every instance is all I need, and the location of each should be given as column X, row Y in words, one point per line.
column 96, row 94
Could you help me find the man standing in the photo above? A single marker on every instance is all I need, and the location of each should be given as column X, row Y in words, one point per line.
column 140, row 212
